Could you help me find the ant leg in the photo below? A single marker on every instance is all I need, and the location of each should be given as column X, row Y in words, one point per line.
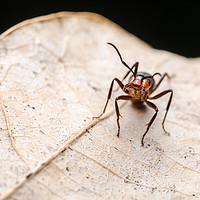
column 109, row 94
column 150, row 104
column 168, row 105
column 123, row 97
column 159, row 82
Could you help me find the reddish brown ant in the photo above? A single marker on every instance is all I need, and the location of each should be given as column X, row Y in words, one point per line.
column 139, row 88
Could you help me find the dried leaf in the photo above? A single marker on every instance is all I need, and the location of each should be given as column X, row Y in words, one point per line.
column 55, row 74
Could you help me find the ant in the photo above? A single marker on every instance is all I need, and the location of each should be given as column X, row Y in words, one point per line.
column 139, row 88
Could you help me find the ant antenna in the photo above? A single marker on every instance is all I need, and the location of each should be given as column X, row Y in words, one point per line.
column 156, row 74
column 121, row 58
column 152, row 75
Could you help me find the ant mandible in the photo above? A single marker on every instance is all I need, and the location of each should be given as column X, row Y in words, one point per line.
column 139, row 88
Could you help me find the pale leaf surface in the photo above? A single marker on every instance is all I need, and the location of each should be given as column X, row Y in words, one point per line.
column 55, row 73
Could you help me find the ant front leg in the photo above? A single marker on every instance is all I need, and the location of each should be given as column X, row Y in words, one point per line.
column 135, row 71
column 123, row 97
column 150, row 104
column 125, row 76
column 168, row 104
column 121, row 85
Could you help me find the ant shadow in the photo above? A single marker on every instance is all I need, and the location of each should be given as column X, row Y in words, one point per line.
column 139, row 106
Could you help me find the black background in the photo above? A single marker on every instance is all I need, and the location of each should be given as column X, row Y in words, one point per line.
column 172, row 27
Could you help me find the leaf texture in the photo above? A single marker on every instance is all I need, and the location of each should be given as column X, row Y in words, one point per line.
column 55, row 74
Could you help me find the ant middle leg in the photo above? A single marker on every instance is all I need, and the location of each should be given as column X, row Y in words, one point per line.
column 159, row 82
column 121, row 85
column 123, row 97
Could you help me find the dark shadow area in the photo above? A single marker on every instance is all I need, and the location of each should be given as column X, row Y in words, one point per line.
column 172, row 27
column 139, row 106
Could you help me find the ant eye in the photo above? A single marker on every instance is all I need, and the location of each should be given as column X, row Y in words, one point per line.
column 126, row 90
